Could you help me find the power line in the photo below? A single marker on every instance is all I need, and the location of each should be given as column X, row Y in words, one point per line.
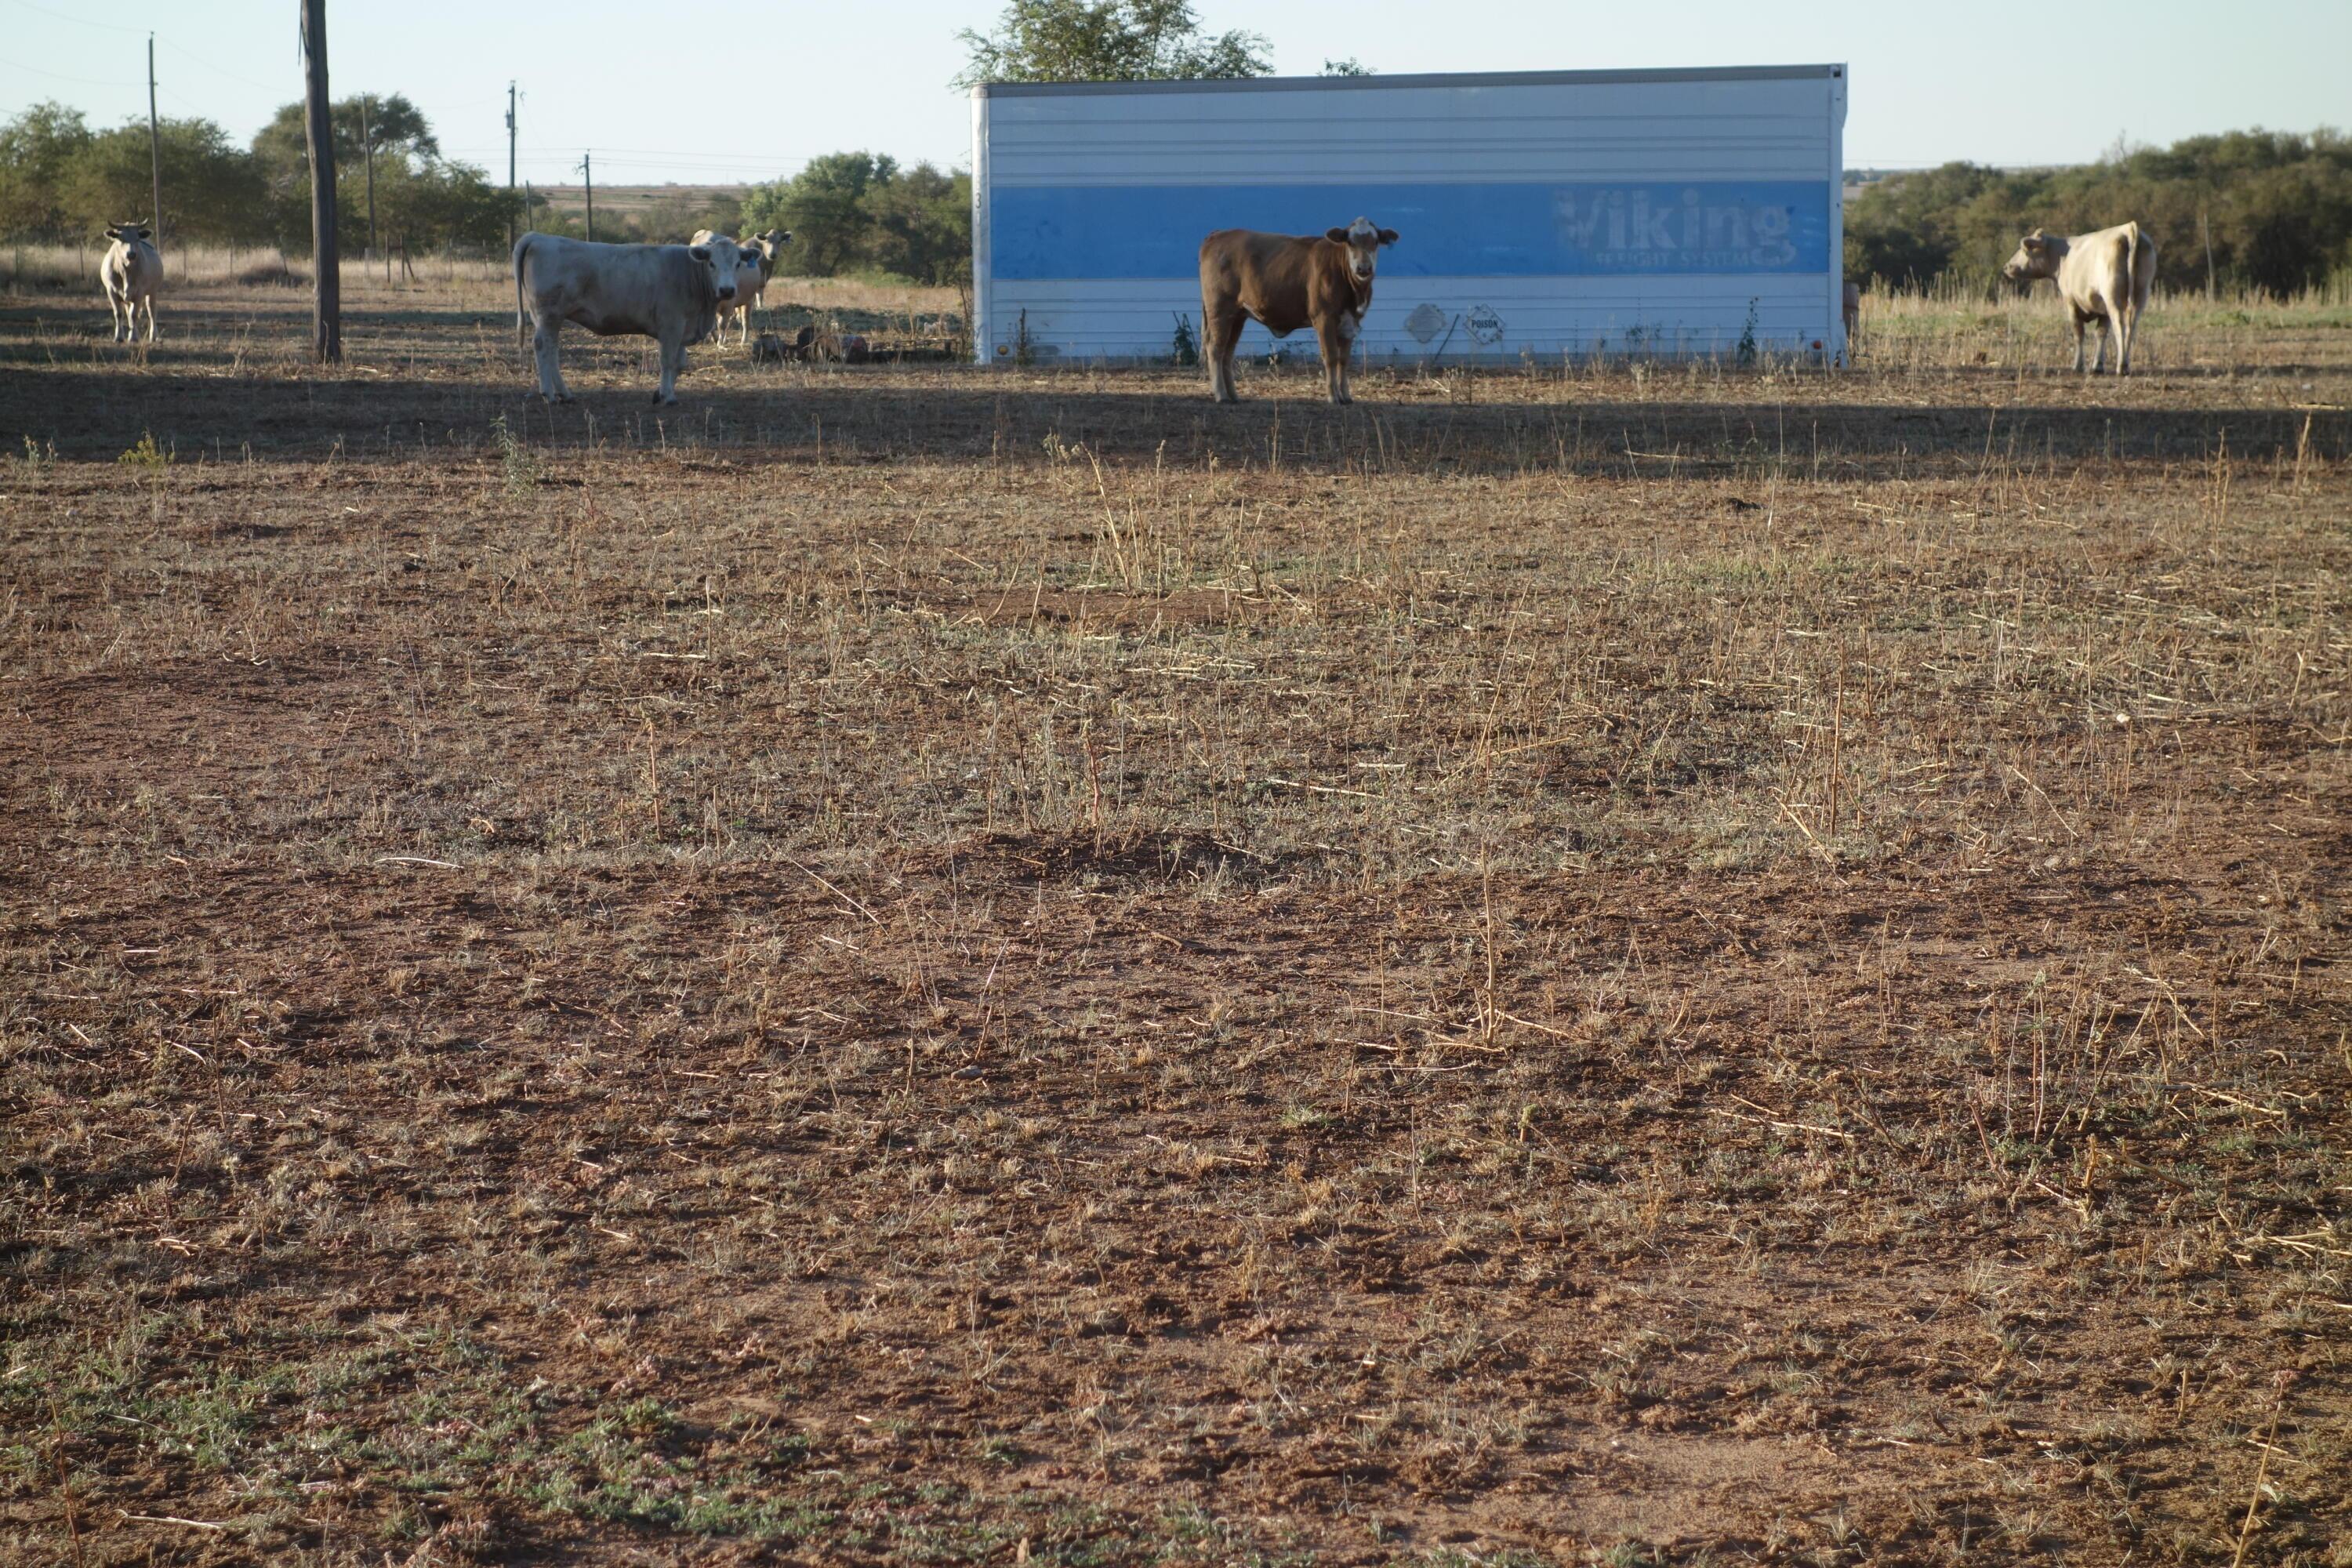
column 191, row 53
column 110, row 28
column 70, row 16
column 60, row 75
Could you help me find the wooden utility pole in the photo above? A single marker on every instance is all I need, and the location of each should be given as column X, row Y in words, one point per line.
column 367, row 149
column 588, row 184
column 510, row 164
column 326, row 259
column 155, row 146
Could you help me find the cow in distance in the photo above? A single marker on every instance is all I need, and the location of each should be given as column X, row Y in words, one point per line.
column 1284, row 282
column 753, row 271
column 670, row 293
column 132, row 273
column 2103, row 277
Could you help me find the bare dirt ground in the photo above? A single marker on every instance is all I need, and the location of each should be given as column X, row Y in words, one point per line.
column 1618, row 963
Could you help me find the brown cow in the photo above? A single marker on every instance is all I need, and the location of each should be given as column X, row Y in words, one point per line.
column 1284, row 282
column 2103, row 277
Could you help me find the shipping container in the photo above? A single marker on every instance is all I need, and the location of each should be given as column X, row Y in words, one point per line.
column 1541, row 213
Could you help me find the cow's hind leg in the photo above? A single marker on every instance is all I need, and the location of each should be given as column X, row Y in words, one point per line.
column 550, row 369
column 2127, row 320
column 2106, row 330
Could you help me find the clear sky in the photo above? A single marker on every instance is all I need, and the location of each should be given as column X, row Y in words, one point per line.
column 697, row 92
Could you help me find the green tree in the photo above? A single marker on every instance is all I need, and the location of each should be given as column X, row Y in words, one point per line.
column 1348, row 66
column 1106, row 40
column 824, row 206
column 426, row 203
column 388, row 124
column 210, row 188
column 393, row 124
column 422, row 199
column 2257, row 209
column 856, row 211
column 36, row 149
column 921, row 225
column 672, row 220
column 1906, row 230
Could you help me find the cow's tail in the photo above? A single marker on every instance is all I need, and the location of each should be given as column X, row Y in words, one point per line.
column 521, row 250
column 2131, row 268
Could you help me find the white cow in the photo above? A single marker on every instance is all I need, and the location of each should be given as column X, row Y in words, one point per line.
column 2103, row 278
column 670, row 293
column 131, row 274
column 761, row 253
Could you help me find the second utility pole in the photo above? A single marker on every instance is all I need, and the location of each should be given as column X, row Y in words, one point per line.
column 510, row 164
column 154, row 144
column 588, row 184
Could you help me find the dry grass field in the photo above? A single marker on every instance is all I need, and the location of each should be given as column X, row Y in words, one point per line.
column 1617, row 963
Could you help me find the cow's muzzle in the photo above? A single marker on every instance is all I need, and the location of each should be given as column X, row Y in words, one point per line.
column 726, row 294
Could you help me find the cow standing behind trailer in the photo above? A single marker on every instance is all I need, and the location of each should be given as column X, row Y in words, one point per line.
column 1672, row 212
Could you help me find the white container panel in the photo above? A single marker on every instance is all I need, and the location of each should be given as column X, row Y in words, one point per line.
column 1667, row 212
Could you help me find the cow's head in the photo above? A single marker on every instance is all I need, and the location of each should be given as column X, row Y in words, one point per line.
column 2037, row 255
column 768, row 247
column 1363, row 242
column 719, row 257
column 129, row 233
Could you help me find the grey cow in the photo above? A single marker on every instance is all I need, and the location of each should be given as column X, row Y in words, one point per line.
column 670, row 293
column 2103, row 278
column 131, row 274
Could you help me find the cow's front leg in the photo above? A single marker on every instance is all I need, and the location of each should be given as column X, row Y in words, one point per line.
column 1223, row 334
column 151, row 318
column 118, row 317
column 1334, row 341
column 673, row 356
column 543, row 350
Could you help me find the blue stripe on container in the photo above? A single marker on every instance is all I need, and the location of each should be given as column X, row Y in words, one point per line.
column 1707, row 227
